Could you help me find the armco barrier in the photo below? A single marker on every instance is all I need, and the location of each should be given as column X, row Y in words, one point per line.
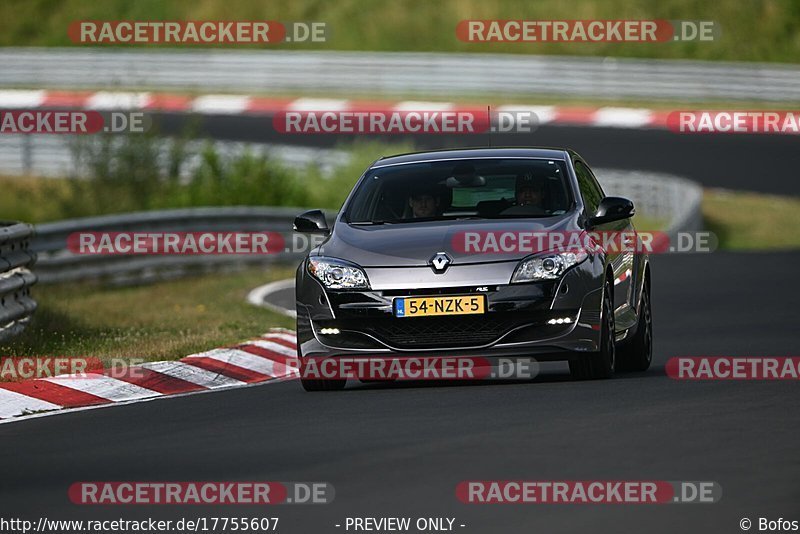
column 16, row 278
column 665, row 197
column 57, row 264
column 396, row 73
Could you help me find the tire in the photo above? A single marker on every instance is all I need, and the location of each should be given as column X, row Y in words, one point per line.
column 599, row 364
column 314, row 384
column 637, row 353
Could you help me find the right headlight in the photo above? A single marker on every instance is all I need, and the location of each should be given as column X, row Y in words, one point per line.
column 547, row 266
column 337, row 274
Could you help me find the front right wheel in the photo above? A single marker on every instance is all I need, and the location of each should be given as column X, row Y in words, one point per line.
column 599, row 364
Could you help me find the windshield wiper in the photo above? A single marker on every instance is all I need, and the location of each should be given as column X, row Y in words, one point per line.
column 367, row 223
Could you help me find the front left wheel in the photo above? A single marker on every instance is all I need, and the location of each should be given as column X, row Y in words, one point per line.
column 637, row 354
column 318, row 384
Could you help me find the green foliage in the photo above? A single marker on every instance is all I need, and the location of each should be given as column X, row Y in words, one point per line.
column 751, row 30
column 117, row 174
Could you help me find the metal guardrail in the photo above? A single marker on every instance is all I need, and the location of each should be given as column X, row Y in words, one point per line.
column 16, row 278
column 57, row 264
column 397, row 73
column 663, row 197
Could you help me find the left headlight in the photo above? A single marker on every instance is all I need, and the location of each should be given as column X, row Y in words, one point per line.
column 337, row 274
column 548, row 266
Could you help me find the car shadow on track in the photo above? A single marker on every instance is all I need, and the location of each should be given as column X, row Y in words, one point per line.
column 549, row 377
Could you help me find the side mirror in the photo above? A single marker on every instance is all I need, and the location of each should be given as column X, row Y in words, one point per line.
column 311, row 222
column 612, row 209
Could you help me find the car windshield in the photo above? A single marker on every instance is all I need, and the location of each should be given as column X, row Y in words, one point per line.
column 442, row 190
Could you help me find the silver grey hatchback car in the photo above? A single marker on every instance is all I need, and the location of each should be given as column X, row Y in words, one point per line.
column 477, row 253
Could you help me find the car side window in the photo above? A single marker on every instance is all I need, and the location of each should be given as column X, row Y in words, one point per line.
column 590, row 189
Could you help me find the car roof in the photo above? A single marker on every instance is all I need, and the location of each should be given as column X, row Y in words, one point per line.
column 472, row 153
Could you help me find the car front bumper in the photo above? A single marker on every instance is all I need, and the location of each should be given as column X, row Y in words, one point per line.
column 518, row 320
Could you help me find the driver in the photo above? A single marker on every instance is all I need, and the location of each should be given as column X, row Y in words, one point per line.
column 529, row 191
column 529, row 196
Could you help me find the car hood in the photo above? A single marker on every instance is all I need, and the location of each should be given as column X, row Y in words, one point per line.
column 413, row 244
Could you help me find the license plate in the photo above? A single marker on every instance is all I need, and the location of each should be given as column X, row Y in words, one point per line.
column 430, row 306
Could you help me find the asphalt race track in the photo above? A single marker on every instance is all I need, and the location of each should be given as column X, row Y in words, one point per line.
column 400, row 450
column 754, row 162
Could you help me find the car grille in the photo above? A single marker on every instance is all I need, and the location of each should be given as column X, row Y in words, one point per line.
column 433, row 332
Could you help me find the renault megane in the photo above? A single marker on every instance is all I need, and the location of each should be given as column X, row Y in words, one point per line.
column 426, row 256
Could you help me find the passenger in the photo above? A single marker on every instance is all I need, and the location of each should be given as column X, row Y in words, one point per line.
column 424, row 204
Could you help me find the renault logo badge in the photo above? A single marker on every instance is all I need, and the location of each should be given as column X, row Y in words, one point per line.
column 440, row 262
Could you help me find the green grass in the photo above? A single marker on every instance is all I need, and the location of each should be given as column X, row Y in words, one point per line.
column 162, row 321
column 752, row 30
column 752, row 221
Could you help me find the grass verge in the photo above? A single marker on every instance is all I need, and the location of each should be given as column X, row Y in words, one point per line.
column 752, row 221
column 133, row 173
column 750, row 30
column 162, row 321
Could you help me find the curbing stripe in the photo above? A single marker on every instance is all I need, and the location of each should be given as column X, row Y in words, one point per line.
column 211, row 370
column 245, row 360
column 227, row 369
column 622, row 117
column 13, row 404
column 194, row 374
column 105, row 100
column 284, row 339
column 269, row 354
column 159, row 382
column 233, row 104
column 11, row 99
column 103, row 386
column 55, row 393
column 224, row 104
column 274, row 347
